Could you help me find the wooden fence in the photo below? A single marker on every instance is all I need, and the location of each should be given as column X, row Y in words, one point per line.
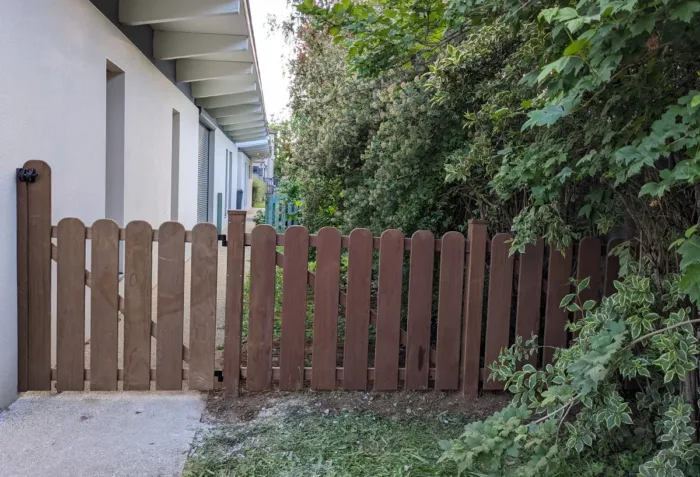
column 449, row 352
column 279, row 213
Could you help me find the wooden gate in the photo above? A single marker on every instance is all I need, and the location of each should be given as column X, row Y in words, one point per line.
column 412, row 308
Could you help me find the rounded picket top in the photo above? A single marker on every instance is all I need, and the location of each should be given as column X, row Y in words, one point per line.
column 104, row 228
column 138, row 227
column 452, row 239
column 171, row 229
column 361, row 234
column 69, row 223
column 205, row 232
column 392, row 234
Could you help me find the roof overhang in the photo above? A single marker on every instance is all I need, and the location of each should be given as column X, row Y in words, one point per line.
column 213, row 46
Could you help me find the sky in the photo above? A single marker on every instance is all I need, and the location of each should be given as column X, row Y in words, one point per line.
column 272, row 53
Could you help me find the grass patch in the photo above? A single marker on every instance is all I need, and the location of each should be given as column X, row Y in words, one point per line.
column 259, row 205
column 306, row 442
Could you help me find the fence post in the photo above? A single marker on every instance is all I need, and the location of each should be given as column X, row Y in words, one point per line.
column 34, row 277
column 235, row 262
column 473, row 306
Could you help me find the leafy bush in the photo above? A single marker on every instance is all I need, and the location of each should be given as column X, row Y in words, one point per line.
column 258, row 192
column 580, row 406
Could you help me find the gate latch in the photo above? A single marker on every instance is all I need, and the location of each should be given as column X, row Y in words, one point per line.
column 27, row 175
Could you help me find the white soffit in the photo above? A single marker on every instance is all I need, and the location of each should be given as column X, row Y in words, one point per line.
column 213, row 45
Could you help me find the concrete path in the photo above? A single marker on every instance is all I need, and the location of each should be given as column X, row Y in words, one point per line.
column 98, row 434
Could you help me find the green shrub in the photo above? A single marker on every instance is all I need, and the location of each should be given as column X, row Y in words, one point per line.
column 258, row 192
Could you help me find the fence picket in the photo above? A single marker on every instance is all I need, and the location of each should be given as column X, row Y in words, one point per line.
column 473, row 308
column 386, row 356
column 70, row 305
column 527, row 321
column 235, row 269
column 498, row 315
column 420, row 298
column 262, row 307
column 104, row 315
column 205, row 251
column 589, row 267
column 39, row 282
column 357, row 310
column 557, row 288
column 138, row 292
column 612, row 268
column 450, row 311
column 326, row 301
column 296, row 263
column 170, row 307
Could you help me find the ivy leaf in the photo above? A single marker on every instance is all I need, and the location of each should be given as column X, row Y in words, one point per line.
column 544, row 117
column 695, row 101
column 645, row 23
column 575, row 47
column 690, row 282
column 684, row 11
column 653, row 189
column 690, row 251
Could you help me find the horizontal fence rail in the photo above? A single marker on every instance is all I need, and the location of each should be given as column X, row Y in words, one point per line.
column 384, row 313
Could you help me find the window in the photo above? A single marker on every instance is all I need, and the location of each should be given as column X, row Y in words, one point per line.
column 203, row 175
column 175, row 168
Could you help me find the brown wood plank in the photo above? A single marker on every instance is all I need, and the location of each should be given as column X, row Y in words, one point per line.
column 138, row 292
column 450, row 311
column 473, row 308
column 527, row 321
column 295, row 267
column 558, row 287
column 589, row 266
column 498, row 313
column 262, row 308
column 170, row 307
column 22, row 284
column 612, row 268
column 326, row 308
column 235, row 268
column 104, row 318
column 205, row 252
column 386, row 356
column 70, row 305
column 357, row 310
column 39, row 273
column 420, row 307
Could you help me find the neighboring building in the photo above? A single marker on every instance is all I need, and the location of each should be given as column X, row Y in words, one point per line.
column 145, row 109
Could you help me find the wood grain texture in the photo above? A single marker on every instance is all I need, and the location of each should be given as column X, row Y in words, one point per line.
column 262, row 308
column 588, row 266
column 473, row 308
column 500, row 293
column 205, row 252
column 527, row 321
column 294, row 276
column 326, row 297
column 70, row 305
column 420, row 304
column 558, row 274
column 450, row 311
column 386, row 356
column 22, row 285
column 39, row 278
column 612, row 268
column 170, row 307
column 138, row 292
column 235, row 267
column 357, row 310
column 104, row 318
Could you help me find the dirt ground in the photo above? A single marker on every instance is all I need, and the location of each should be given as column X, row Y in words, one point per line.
column 387, row 404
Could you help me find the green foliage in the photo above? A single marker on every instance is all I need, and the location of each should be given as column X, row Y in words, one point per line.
column 258, row 192
column 578, row 406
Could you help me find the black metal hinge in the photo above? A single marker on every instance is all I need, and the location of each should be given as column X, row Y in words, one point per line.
column 222, row 239
column 219, row 374
column 27, row 175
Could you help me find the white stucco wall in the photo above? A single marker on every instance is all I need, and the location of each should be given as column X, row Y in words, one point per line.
column 52, row 99
column 222, row 144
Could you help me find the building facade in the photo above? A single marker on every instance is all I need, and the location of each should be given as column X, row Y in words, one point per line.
column 145, row 110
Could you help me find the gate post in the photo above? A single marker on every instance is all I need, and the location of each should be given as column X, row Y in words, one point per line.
column 34, row 276
column 473, row 306
column 235, row 268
